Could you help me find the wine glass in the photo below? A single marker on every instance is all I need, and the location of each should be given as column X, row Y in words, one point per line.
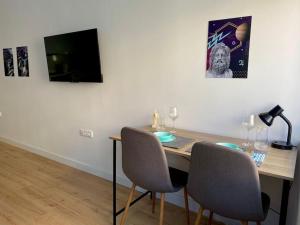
column 173, row 114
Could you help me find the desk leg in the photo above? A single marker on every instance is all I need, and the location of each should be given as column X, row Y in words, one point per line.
column 284, row 201
column 114, row 183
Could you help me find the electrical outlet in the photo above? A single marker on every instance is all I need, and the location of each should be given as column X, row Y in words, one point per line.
column 0, row 114
column 86, row 133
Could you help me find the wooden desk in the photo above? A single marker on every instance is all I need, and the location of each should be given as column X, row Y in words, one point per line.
column 278, row 163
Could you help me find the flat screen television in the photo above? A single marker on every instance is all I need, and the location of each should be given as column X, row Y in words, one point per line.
column 74, row 57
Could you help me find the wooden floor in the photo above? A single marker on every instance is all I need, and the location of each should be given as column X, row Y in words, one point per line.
column 38, row 191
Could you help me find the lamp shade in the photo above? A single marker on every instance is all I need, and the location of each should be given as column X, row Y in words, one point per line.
column 268, row 117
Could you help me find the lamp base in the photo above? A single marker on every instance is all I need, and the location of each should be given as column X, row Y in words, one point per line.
column 282, row 145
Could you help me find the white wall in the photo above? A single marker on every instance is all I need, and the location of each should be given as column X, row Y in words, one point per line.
column 153, row 55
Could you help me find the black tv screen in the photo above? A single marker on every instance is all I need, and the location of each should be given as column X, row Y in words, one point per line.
column 74, row 57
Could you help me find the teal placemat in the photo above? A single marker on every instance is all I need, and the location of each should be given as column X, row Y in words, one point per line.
column 179, row 142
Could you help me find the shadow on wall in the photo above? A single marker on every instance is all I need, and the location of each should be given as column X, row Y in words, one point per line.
column 294, row 201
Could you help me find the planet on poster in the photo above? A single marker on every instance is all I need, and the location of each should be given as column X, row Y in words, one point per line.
column 228, row 48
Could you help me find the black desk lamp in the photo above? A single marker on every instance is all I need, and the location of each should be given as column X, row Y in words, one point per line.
column 268, row 118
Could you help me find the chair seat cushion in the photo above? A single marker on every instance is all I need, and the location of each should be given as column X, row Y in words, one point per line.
column 178, row 177
column 265, row 203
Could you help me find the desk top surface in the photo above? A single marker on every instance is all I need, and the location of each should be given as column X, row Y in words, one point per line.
column 278, row 163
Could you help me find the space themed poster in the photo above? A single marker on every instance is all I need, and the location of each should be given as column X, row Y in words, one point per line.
column 228, row 48
column 8, row 62
column 22, row 57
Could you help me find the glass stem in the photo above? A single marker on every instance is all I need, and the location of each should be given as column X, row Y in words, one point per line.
column 248, row 141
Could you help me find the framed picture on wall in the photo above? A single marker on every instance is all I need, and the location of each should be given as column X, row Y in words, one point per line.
column 228, row 48
column 23, row 65
column 8, row 62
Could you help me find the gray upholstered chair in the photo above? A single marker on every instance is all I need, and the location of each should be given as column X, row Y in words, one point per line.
column 144, row 163
column 226, row 182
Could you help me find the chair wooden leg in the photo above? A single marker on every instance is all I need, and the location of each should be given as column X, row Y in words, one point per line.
column 187, row 209
column 162, row 205
column 124, row 216
column 199, row 216
column 211, row 214
column 244, row 222
column 153, row 201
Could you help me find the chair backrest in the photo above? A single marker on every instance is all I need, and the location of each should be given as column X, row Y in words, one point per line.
column 144, row 161
column 225, row 181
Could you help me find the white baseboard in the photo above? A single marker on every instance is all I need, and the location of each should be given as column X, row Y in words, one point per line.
column 174, row 198
column 59, row 158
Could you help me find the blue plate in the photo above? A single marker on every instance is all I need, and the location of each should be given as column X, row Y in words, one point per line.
column 230, row 145
column 164, row 136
